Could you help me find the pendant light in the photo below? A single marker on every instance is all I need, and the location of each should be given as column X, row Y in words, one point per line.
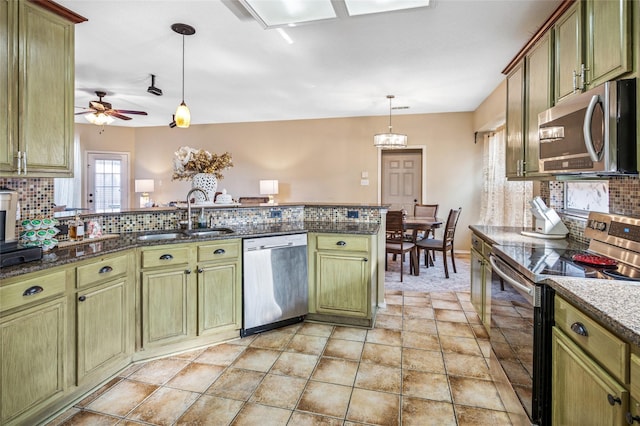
column 390, row 140
column 183, row 115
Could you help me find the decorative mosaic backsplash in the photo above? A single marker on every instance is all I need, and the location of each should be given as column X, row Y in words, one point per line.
column 35, row 195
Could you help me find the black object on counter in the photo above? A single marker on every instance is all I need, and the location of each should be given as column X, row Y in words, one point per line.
column 15, row 254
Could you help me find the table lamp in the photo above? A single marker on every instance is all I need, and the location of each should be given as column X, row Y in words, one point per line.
column 270, row 188
column 145, row 186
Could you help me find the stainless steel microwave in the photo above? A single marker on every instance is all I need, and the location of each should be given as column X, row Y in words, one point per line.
column 593, row 132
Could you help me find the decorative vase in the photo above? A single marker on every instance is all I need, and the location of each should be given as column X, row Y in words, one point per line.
column 208, row 183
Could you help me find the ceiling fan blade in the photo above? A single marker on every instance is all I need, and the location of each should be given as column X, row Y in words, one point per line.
column 113, row 113
column 96, row 105
column 127, row 111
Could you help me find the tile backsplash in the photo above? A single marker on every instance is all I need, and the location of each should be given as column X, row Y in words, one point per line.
column 35, row 195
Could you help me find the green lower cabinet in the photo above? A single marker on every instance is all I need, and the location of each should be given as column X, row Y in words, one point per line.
column 219, row 298
column 583, row 392
column 166, row 306
column 342, row 284
column 103, row 329
column 32, row 359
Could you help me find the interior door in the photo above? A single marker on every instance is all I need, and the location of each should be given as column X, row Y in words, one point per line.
column 107, row 186
column 401, row 179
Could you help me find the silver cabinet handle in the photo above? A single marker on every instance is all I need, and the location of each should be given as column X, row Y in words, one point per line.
column 24, row 162
column 575, row 80
column 19, row 162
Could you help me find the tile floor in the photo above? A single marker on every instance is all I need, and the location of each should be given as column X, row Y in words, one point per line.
column 424, row 363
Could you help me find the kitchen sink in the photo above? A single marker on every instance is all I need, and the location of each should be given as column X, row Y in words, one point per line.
column 172, row 235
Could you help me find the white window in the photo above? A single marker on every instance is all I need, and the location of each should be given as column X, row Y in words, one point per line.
column 581, row 197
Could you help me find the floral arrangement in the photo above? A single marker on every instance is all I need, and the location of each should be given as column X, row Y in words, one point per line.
column 189, row 162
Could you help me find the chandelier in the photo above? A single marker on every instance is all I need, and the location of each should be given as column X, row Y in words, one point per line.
column 390, row 140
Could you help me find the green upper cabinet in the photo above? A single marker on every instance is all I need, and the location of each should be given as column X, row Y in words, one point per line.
column 592, row 45
column 37, row 112
column 514, row 155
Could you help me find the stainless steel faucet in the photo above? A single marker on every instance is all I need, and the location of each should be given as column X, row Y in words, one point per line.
column 189, row 220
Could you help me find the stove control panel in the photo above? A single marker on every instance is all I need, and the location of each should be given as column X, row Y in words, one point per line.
column 625, row 230
column 614, row 230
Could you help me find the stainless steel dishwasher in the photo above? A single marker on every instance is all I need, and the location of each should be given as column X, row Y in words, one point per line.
column 275, row 289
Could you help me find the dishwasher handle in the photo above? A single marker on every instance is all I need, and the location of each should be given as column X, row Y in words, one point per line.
column 508, row 279
column 270, row 246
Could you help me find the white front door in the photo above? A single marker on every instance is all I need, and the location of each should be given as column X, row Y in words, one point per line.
column 107, row 187
column 401, row 179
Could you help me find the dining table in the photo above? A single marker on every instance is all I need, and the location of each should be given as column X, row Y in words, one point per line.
column 421, row 223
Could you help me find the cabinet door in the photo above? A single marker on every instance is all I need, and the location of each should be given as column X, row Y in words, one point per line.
column 581, row 389
column 219, row 298
column 342, row 284
column 608, row 32
column 477, row 282
column 165, row 306
column 515, row 122
column 8, row 20
column 538, row 98
column 103, row 327
column 568, row 52
column 46, row 90
column 32, row 349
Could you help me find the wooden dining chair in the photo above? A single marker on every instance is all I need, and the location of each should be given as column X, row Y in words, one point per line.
column 396, row 243
column 426, row 210
column 443, row 245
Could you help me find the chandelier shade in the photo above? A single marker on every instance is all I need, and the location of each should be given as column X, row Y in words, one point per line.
column 99, row 118
column 390, row 140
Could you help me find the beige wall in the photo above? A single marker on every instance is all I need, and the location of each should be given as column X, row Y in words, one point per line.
column 313, row 160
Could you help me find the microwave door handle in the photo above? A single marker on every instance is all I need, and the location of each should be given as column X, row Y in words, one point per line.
column 586, row 128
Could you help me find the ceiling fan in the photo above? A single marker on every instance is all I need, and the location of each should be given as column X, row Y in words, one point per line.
column 100, row 112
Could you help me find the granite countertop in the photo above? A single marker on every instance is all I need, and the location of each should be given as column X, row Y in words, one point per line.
column 88, row 249
column 615, row 304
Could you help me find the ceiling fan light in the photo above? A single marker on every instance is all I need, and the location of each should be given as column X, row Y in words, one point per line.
column 183, row 116
column 99, row 118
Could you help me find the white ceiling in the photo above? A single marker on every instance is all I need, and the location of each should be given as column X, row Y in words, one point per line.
column 444, row 58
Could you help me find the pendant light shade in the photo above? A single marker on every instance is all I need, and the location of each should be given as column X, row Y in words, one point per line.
column 390, row 140
column 183, row 115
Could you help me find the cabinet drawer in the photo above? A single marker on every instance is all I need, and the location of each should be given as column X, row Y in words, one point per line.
column 101, row 271
column 480, row 245
column 166, row 256
column 635, row 376
column 33, row 289
column 219, row 251
column 611, row 352
column 343, row 242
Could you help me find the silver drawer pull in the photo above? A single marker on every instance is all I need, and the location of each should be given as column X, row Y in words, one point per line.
column 219, row 251
column 341, row 243
column 579, row 328
column 105, row 269
column 166, row 257
column 31, row 291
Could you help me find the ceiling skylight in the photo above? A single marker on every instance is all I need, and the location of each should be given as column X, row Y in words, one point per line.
column 360, row 7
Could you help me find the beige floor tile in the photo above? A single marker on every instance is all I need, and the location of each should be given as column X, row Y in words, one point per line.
column 349, row 333
column 379, row 378
column 298, row 418
column 418, row 312
column 159, row 371
column 92, row 396
column 279, row 391
column 420, row 384
column 257, row 359
column 417, row 301
column 87, row 418
column 475, row 393
column 423, row 412
column 291, row 329
column 122, row 398
column 450, row 315
column 472, row 416
column 460, row 345
column 256, row 414
column 315, row 329
column 411, row 339
column 420, row 325
column 196, row 377
column 312, row 345
column 480, row 331
column 463, row 295
column 164, row 406
column 395, row 299
column 210, row 410
column 458, row 329
column 391, row 310
column 223, row 354
column 273, row 340
column 326, row 399
column 130, row 370
column 65, row 415
column 422, row 294
column 467, row 306
column 245, row 341
column 374, row 408
column 347, row 349
column 235, row 383
column 446, row 304
column 421, row 360
column 382, row 354
column 393, row 322
column 384, row 336
column 473, row 318
column 335, row 370
column 189, row 355
column 485, row 347
column 444, row 295
column 466, row 365
column 295, row 364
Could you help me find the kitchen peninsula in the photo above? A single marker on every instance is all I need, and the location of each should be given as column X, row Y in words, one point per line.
column 91, row 309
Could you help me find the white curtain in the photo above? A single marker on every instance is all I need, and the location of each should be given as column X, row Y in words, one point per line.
column 68, row 191
column 503, row 202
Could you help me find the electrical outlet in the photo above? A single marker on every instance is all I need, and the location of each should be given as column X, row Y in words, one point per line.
column 352, row 214
column 276, row 214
